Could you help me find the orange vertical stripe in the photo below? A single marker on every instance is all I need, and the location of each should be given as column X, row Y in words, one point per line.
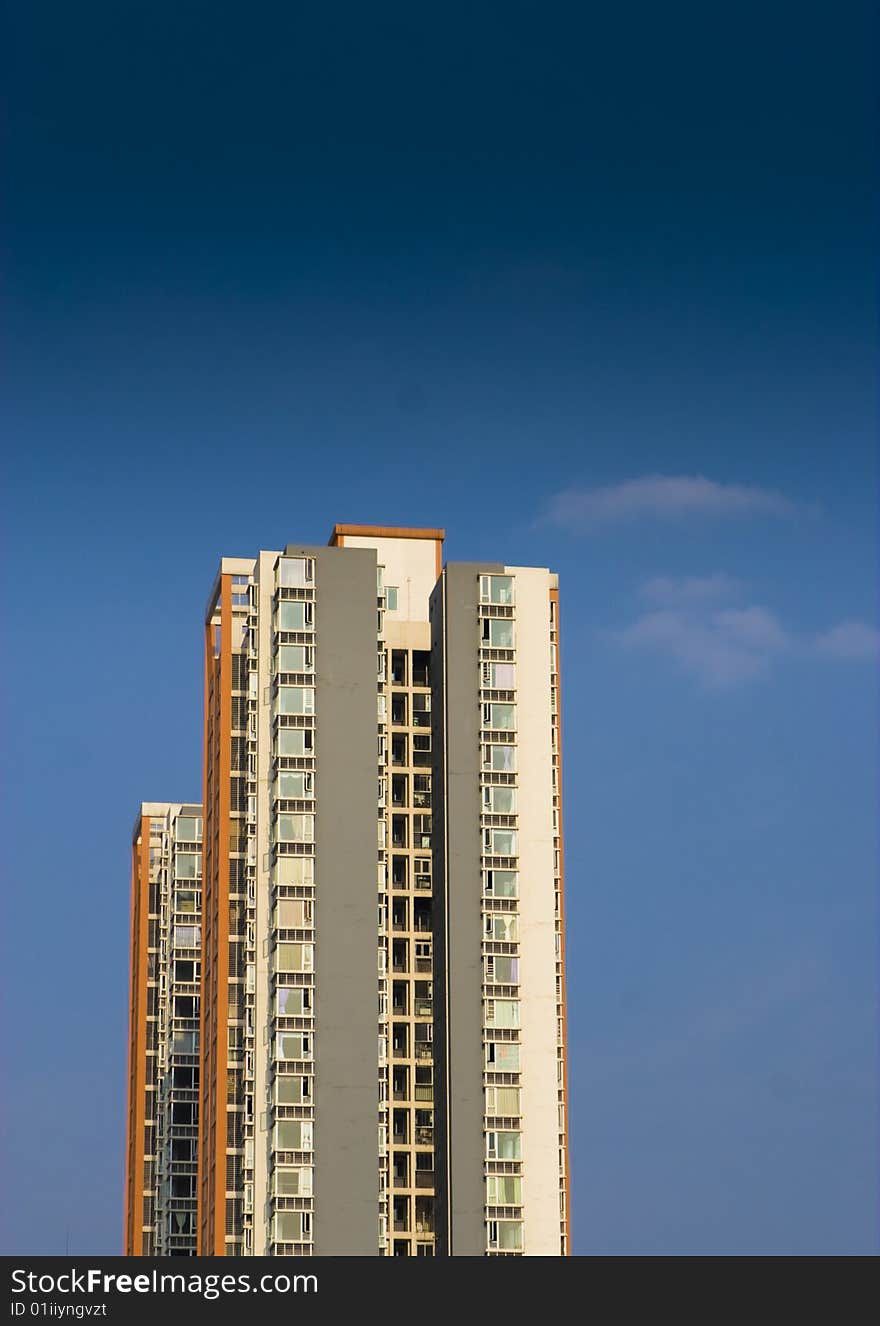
column 137, row 1046
column 554, row 596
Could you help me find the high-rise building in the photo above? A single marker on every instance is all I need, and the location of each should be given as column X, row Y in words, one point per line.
column 163, row 1065
column 382, row 981
column 500, row 1038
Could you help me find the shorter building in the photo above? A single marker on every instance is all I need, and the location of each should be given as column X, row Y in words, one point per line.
column 163, row 1064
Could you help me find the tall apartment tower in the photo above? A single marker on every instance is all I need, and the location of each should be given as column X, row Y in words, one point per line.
column 382, row 982
column 163, row 1064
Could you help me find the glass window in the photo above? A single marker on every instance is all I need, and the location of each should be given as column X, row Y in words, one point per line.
column 292, row 913
column 504, row 1014
column 501, row 759
column 504, row 1190
column 502, row 1057
column 294, row 785
column 293, row 616
column 293, row 1001
column 186, row 865
column 294, row 957
column 187, row 829
column 296, row 700
column 391, row 598
column 291, row 1226
column 501, row 926
column 501, row 842
column 293, row 1134
column 496, row 589
column 504, row 1146
column 187, row 936
column 502, row 883
column 500, row 716
column 293, row 572
column 294, row 658
column 500, row 800
column 185, row 900
column 294, row 741
column 291, row 1091
column 508, row 1234
column 295, row 870
column 502, row 676
column 296, row 828
column 506, row 1100
column 498, row 632
column 293, row 1045
column 506, row 970
column 293, row 1182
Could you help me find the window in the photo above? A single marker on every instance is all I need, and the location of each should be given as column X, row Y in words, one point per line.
column 295, row 658
column 187, row 829
column 294, row 741
column 504, row 1190
column 498, row 632
column 499, row 800
column 502, row 1057
column 293, row 913
column 185, row 900
column 502, row 883
column 294, row 957
column 293, row 1045
column 296, row 700
column 293, row 1001
column 504, row 1146
column 295, row 572
column 294, row 786
column 502, row 1101
column 293, row 1227
column 502, row 1013
column 500, row 842
column 501, row 676
column 187, row 936
column 293, row 1182
column 295, row 870
column 502, row 970
column 496, row 589
column 500, row 759
column 391, row 598
column 504, row 1234
column 499, row 716
column 294, row 616
column 292, row 1091
column 296, row 828
column 186, row 865
column 501, row 926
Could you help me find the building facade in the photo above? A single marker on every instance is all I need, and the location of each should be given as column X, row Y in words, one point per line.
column 382, row 962
column 163, row 1067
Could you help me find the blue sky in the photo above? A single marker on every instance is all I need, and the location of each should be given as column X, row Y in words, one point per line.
column 589, row 289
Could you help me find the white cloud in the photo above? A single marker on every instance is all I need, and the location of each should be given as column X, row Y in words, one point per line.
column 664, row 497
column 723, row 647
column 671, row 591
column 855, row 640
column 720, row 649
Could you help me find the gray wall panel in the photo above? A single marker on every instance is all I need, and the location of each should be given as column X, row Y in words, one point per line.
column 346, row 1056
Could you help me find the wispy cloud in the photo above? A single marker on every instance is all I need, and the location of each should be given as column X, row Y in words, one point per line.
column 850, row 640
column 722, row 646
column 665, row 497
column 718, row 649
column 671, row 591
